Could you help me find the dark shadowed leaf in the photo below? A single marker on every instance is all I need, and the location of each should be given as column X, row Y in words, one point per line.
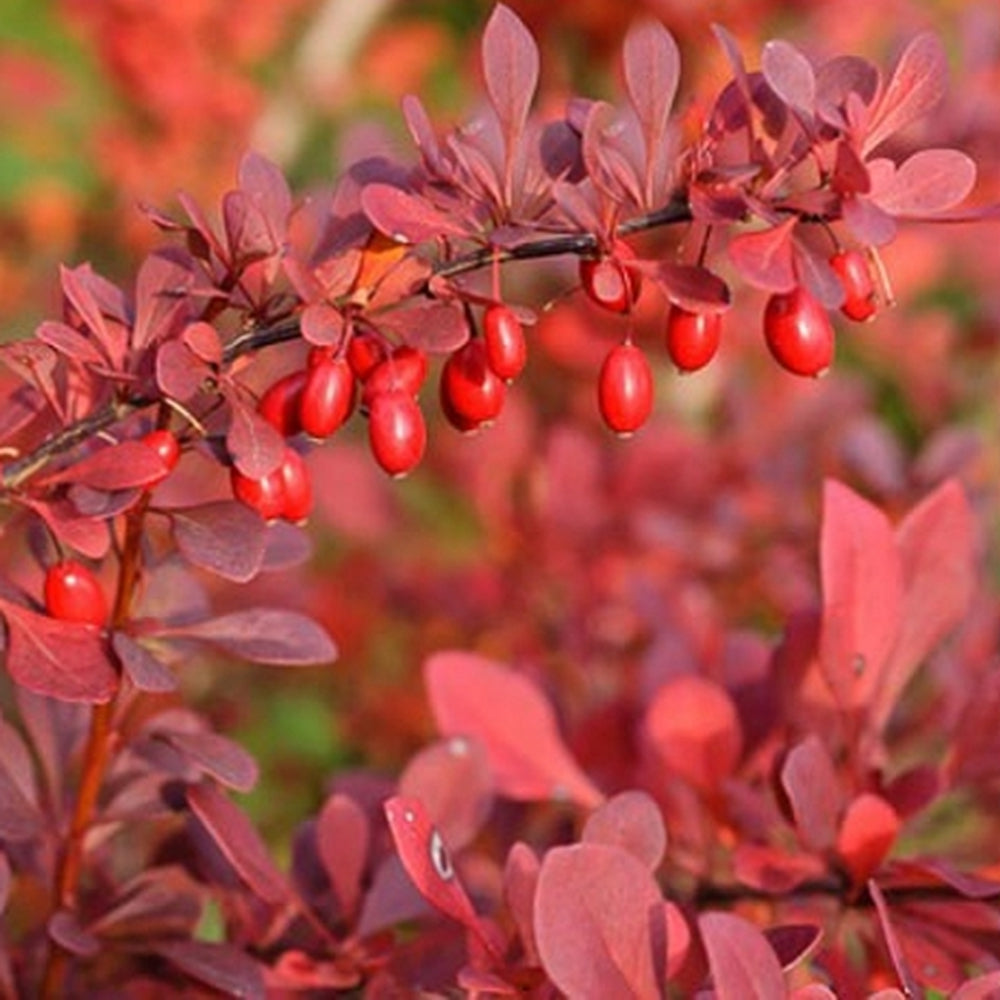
column 930, row 181
column 342, row 837
column 793, row 943
column 471, row 695
column 216, row 756
column 867, row 834
column 406, row 217
column 452, row 779
column 225, row 537
column 862, row 594
column 742, row 962
column 765, row 258
column 594, row 910
column 20, row 819
column 652, row 66
column 510, row 68
column 235, row 836
column 116, row 467
column 693, row 288
column 772, row 870
column 65, row 929
column 223, row 967
column 264, row 635
column 632, row 821
column 433, row 327
column 520, row 880
column 144, row 670
column 810, row 783
column 60, row 659
column 789, row 74
column 4, row 880
column 254, row 444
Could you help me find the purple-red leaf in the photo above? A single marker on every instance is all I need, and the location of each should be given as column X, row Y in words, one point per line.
column 223, row 967
column 255, row 446
column 224, row 537
column 765, row 258
column 69, row 342
column 247, row 231
column 265, row 184
column 510, row 68
column 743, row 964
column 322, row 325
column 520, row 880
column 434, row 327
column 264, row 635
column 84, row 534
column 202, row 340
column 63, row 660
column 342, row 838
column 162, row 303
column 20, row 818
column 234, row 835
column 632, row 821
column 789, row 74
column 216, row 756
column 144, row 670
column 117, row 467
column 473, row 696
column 180, row 373
column 693, row 288
column 810, row 783
column 652, row 65
column 596, row 909
column 928, row 182
column 792, row 943
column 405, row 217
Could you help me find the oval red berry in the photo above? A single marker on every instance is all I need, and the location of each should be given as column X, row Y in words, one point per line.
column 73, row 594
column 279, row 405
column 397, row 433
column 625, row 389
column 166, row 446
column 692, row 338
column 503, row 335
column 327, row 397
column 297, row 487
column 266, row 495
column 851, row 266
column 798, row 332
column 472, row 394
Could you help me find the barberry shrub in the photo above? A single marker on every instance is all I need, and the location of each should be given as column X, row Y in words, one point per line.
column 789, row 794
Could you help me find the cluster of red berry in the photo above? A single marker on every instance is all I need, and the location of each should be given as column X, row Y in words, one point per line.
column 797, row 330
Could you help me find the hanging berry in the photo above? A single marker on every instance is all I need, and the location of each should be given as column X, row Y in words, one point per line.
column 503, row 335
column 279, row 405
column 472, row 394
column 396, row 432
column 855, row 275
column 625, row 389
column 692, row 338
column 73, row 594
column 296, row 487
column 798, row 332
column 327, row 396
column 265, row 495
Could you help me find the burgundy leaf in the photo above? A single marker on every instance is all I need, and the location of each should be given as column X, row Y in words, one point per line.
column 255, row 446
column 64, row 928
column 20, row 819
column 35, row 364
column 510, row 69
column 810, row 782
column 78, row 293
column 285, row 546
column 116, row 467
column 771, row 870
column 867, row 834
column 180, row 373
column 265, row 184
column 693, row 288
column 793, row 943
column 5, row 879
column 234, row 835
column 162, row 304
column 422, row 133
column 92, row 503
column 247, row 231
column 69, row 342
column 224, row 537
column 434, row 327
column 405, row 217
column 159, row 900
column 473, row 696
column 743, row 964
column 264, row 635
column 789, row 74
column 693, row 726
column 632, row 821
column 84, row 534
column 917, row 85
column 202, row 340
column 216, row 756
column 144, row 670
column 16, row 759
column 867, row 222
column 862, row 594
column 520, row 881
column 342, row 839
column 765, row 258
column 322, row 325
column 594, row 911
column 892, row 943
column 452, row 779
column 223, row 967
column 930, row 181
column 651, row 64
column 63, row 660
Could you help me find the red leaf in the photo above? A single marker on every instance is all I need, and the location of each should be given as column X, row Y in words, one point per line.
column 771, row 870
column 651, row 65
column 917, row 85
column 678, row 939
column 789, row 74
column 765, row 258
column 406, row 217
column 264, row 635
column 255, row 446
column 453, row 780
column 342, row 838
column 322, row 325
column 180, row 373
column 510, row 69
column 69, row 342
column 220, row 758
column 520, row 881
column 474, row 696
column 810, row 782
column 632, row 821
column 162, row 304
column 247, row 231
column 203, row 341
column 87, row 535
column 224, row 537
column 63, row 660
column 985, row 987
column 224, row 967
column 264, row 183
column 234, row 835
column 144, row 670
column 693, row 288
column 434, row 327
column 743, row 964
column 76, row 287
column 595, row 908
column 862, row 594
column 693, row 726
column 930, row 181
column 117, row 467
column 867, row 833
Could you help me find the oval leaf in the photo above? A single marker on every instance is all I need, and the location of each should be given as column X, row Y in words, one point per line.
column 809, row 780
column 117, row 467
column 743, row 965
column 866, row 835
column 216, row 756
column 789, row 74
column 226, row 538
column 510, row 68
column 406, row 217
column 223, row 967
column 929, row 182
column 632, row 821
column 144, row 670
column 652, row 64
column 765, row 258
column 342, row 838
column 255, row 446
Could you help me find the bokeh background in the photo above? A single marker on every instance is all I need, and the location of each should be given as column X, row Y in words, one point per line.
column 599, row 565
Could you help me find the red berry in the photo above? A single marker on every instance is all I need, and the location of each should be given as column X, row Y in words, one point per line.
column 298, row 495
column 608, row 282
column 405, row 369
column 279, row 405
column 798, row 332
column 692, row 337
column 167, row 449
column 472, row 394
column 859, row 287
column 625, row 389
column 396, row 432
column 327, row 397
column 503, row 335
column 73, row 594
column 266, row 495
column 364, row 352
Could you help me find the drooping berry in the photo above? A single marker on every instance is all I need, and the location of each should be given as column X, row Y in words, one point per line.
column 404, row 369
column 798, row 332
column 625, row 388
column 364, row 352
column 472, row 394
column 396, row 432
column 855, row 275
column 73, row 594
column 692, row 337
column 167, row 449
column 327, row 397
column 279, row 405
column 503, row 335
column 297, row 487
column 265, row 495
column 609, row 282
